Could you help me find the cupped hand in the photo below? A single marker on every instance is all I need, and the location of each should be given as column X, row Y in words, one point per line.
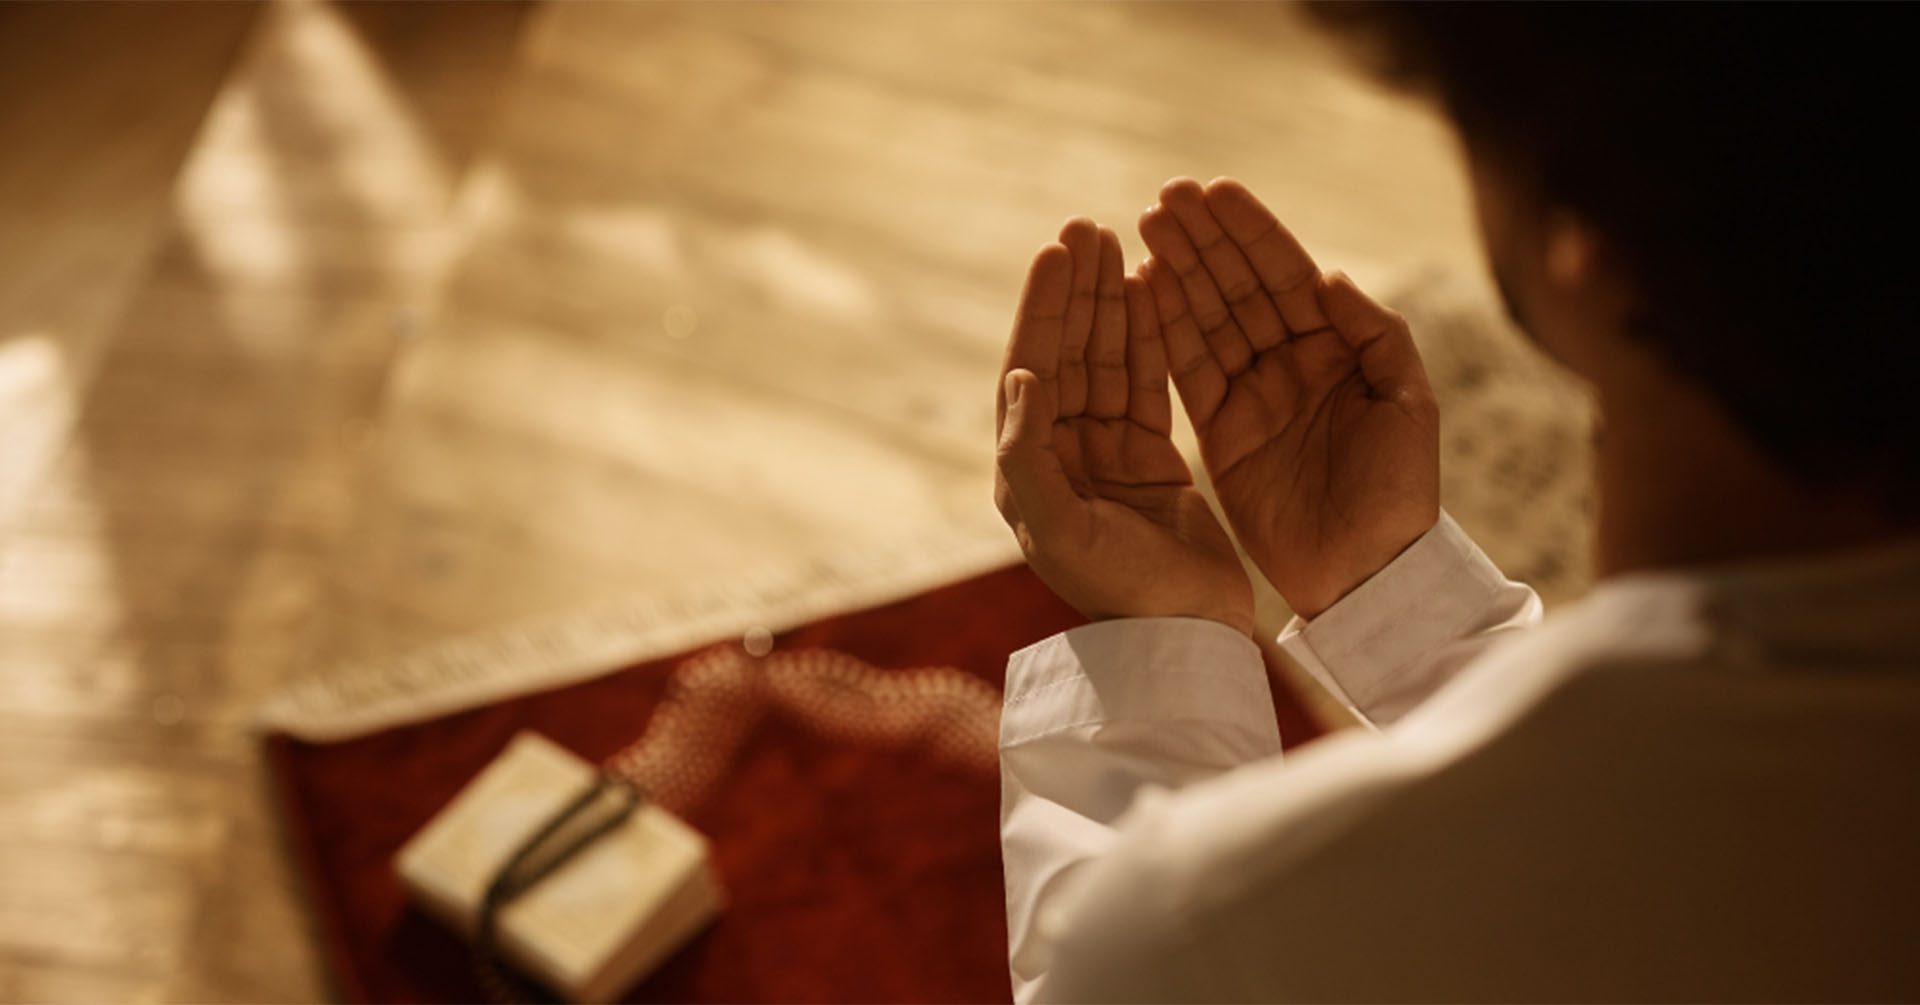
column 1088, row 477
column 1314, row 415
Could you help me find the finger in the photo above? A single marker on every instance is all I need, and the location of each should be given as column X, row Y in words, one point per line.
column 1173, row 249
column 1245, row 296
column 1284, row 267
column 1039, row 487
column 1388, row 360
column 1148, row 403
column 1035, row 344
column 1107, row 349
column 1196, row 373
column 1082, row 238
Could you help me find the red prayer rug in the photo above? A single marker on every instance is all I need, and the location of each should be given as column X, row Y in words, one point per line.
column 855, row 871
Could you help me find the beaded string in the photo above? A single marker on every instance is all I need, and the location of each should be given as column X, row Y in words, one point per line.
column 716, row 698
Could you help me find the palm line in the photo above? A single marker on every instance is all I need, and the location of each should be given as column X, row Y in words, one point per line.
column 1292, row 418
column 1128, row 425
column 1324, row 416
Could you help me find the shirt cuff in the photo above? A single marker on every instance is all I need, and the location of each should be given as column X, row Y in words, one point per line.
column 1137, row 670
column 1432, row 594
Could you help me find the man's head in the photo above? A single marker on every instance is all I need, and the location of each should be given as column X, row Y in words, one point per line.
column 1711, row 187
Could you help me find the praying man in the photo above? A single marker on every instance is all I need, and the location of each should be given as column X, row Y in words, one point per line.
column 1702, row 781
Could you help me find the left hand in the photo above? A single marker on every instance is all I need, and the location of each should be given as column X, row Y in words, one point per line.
column 1088, row 477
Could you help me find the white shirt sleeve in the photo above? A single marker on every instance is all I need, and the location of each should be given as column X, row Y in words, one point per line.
column 1093, row 717
column 1408, row 630
column 1099, row 715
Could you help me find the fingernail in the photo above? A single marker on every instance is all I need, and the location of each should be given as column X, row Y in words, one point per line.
column 1013, row 389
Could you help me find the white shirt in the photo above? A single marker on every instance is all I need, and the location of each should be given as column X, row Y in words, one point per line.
column 1687, row 786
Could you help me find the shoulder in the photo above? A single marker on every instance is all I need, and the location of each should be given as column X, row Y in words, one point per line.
column 1333, row 852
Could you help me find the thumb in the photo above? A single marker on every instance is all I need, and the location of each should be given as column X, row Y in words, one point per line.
column 1378, row 336
column 1027, row 462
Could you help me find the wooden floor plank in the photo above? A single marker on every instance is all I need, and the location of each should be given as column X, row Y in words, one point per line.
column 157, row 578
column 93, row 148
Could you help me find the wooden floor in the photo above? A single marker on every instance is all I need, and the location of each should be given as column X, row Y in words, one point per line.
column 327, row 332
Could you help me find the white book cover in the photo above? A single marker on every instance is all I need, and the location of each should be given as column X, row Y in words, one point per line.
column 606, row 916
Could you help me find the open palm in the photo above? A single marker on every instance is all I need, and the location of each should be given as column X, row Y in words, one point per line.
column 1089, row 477
column 1314, row 415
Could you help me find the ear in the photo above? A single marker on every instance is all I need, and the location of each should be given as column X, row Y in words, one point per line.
column 1572, row 252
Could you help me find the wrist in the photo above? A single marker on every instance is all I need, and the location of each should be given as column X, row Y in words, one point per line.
column 1239, row 624
column 1097, row 604
column 1315, row 599
column 1238, row 617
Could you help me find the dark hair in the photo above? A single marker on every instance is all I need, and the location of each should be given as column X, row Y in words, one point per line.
column 1743, row 165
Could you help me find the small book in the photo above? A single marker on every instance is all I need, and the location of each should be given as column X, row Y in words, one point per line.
column 601, row 921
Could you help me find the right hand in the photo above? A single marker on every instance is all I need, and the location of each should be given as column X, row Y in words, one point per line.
column 1313, row 410
column 1089, row 479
